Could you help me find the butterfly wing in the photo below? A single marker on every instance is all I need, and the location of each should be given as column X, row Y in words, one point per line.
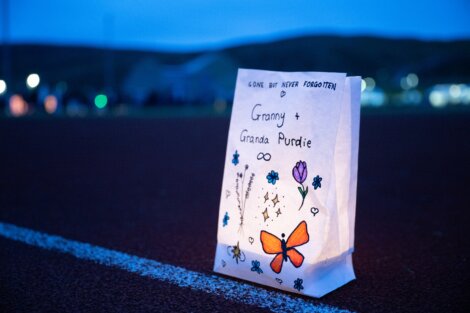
column 271, row 244
column 295, row 257
column 299, row 236
column 276, row 263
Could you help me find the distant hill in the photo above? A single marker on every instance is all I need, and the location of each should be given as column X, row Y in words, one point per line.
column 387, row 60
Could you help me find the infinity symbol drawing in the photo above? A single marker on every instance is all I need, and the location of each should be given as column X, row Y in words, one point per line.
column 264, row 156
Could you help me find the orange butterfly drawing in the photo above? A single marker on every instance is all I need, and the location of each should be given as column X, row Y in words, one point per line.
column 285, row 249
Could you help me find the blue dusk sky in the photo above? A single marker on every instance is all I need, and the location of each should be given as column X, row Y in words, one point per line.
column 192, row 24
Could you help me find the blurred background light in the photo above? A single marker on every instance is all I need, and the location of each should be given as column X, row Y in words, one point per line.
column 33, row 80
column 50, row 104
column 412, row 80
column 101, row 101
column 437, row 99
column 373, row 98
column 3, row 86
column 466, row 95
column 411, row 97
column 409, row 81
column 370, row 83
column 363, row 85
column 18, row 106
column 455, row 92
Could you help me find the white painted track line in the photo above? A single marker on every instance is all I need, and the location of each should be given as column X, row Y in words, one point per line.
column 224, row 287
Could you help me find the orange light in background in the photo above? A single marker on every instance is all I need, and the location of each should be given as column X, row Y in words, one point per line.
column 50, row 104
column 17, row 105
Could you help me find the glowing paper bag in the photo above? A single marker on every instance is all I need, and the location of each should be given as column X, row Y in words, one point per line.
column 287, row 209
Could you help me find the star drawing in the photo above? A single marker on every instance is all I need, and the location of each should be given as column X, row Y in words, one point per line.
column 266, row 197
column 265, row 214
column 275, row 200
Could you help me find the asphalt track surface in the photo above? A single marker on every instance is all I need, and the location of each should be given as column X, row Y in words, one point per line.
column 150, row 188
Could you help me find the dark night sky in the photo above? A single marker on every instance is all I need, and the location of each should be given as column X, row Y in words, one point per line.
column 193, row 24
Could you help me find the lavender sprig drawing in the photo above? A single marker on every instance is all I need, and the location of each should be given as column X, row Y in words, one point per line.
column 242, row 195
column 299, row 172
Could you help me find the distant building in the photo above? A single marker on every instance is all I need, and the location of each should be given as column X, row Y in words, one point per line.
column 206, row 78
column 143, row 79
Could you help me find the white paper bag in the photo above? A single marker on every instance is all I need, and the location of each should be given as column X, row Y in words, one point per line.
column 288, row 202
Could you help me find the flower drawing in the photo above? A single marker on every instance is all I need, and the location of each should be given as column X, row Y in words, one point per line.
column 242, row 194
column 235, row 158
column 316, row 182
column 255, row 267
column 298, row 284
column 225, row 219
column 272, row 177
column 299, row 172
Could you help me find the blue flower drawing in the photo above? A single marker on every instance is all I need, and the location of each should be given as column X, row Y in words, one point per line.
column 235, row 158
column 317, row 182
column 225, row 220
column 298, row 284
column 272, row 177
column 255, row 267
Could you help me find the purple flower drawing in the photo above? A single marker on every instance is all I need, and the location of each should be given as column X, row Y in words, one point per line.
column 299, row 172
